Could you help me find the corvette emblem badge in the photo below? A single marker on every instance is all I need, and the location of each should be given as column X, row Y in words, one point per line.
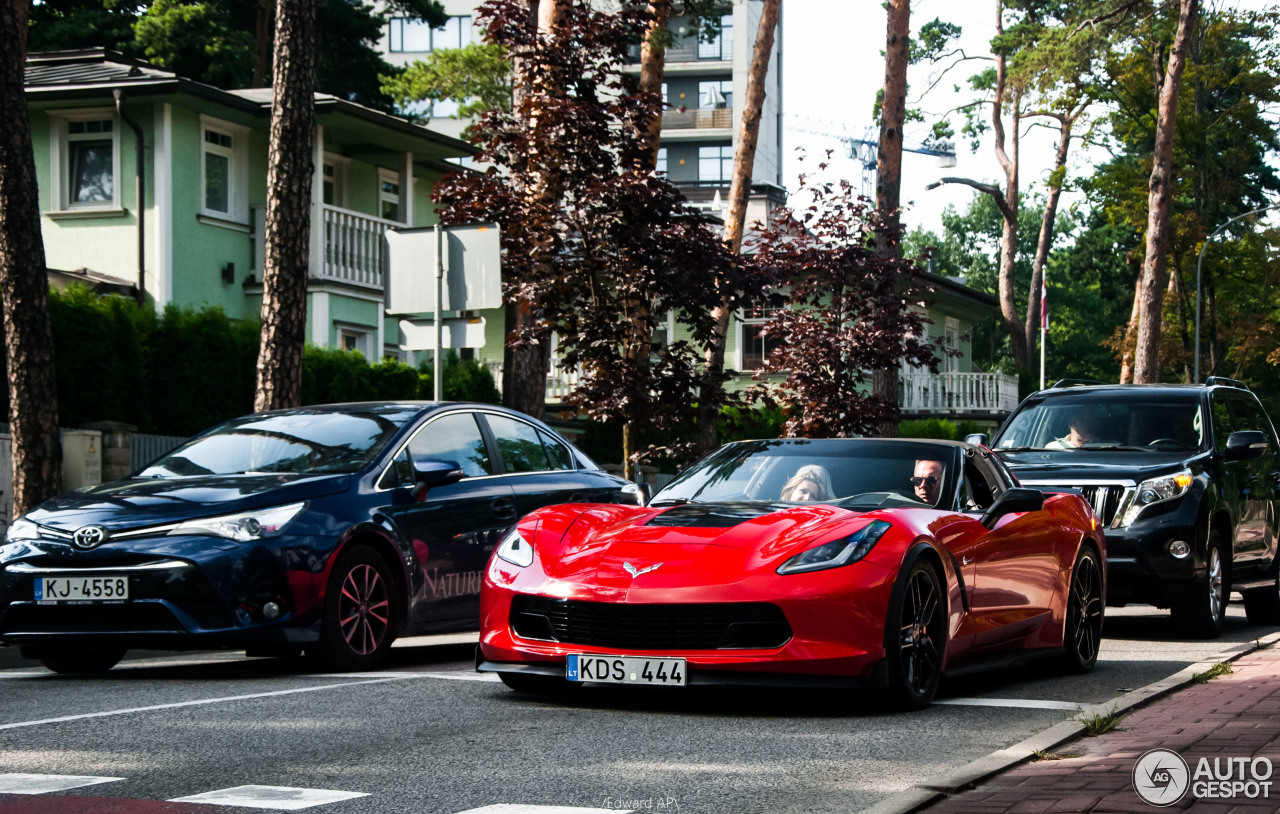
column 635, row 572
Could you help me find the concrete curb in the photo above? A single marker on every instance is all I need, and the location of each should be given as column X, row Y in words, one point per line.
column 965, row 777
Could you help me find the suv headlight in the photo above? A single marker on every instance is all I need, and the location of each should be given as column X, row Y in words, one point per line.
column 22, row 530
column 1157, row 490
column 245, row 527
column 836, row 553
column 515, row 549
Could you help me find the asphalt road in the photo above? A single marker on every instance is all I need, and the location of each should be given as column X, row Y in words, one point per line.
column 429, row 735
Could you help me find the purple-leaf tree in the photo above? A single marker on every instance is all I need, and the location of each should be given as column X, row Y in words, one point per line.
column 840, row 312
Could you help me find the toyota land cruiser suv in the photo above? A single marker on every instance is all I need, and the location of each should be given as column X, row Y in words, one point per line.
column 1184, row 477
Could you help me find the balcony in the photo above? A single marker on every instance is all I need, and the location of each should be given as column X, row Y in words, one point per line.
column 961, row 394
column 353, row 247
column 720, row 117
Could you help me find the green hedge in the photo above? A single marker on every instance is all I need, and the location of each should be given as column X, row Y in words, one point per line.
column 940, row 428
column 181, row 371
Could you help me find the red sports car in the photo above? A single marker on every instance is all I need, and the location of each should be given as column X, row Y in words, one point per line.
column 815, row 563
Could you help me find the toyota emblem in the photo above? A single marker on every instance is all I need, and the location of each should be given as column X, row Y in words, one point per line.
column 89, row 537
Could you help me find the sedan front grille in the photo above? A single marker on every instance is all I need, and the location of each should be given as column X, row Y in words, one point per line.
column 710, row 626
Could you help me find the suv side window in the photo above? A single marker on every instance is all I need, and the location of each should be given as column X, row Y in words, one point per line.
column 519, row 445
column 1249, row 415
column 1220, row 415
column 453, row 437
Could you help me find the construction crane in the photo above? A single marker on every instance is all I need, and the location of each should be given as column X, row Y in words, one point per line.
column 865, row 150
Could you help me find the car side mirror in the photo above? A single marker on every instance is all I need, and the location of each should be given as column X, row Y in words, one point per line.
column 1013, row 501
column 978, row 439
column 429, row 472
column 637, row 493
column 1246, row 445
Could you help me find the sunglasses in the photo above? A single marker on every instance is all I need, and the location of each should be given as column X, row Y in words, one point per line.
column 929, row 481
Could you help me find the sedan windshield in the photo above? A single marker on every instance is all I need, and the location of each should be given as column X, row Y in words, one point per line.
column 843, row 472
column 297, row 442
column 1127, row 422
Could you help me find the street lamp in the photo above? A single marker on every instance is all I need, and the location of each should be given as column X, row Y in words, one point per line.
column 1196, row 378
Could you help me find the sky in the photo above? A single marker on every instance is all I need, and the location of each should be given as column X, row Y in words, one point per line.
column 832, row 68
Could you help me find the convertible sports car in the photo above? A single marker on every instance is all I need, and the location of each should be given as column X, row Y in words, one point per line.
column 332, row 529
column 817, row 563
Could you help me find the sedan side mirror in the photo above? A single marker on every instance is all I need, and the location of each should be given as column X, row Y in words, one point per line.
column 1246, row 445
column 1013, row 501
column 978, row 439
column 429, row 472
column 637, row 493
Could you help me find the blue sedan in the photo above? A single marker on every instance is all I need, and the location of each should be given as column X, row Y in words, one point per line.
column 330, row 529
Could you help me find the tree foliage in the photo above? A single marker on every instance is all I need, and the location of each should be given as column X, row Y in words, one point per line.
column 478, row 75
column 845, row 311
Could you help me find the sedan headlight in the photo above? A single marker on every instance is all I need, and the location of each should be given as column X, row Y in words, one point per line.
column 515, row 549
column 1157, row 490
column 22, row 530
column 836, row 553
column 245, row 527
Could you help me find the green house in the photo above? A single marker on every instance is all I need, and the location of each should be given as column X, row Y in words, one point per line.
column 203, row 171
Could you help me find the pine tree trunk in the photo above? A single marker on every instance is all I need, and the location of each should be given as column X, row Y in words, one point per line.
column 262, row 44
column 1009, row 234
column 1152, row 282
column 1045, row 241
column 744, row 158
column 653, row 62
column 893, row 112
column 24, row 289
column 290, row 167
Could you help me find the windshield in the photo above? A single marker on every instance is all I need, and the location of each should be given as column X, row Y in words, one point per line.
column 298, row 442
column 848, row 473
column 1130, row 422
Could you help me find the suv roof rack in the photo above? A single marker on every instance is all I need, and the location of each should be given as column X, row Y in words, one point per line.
column 1224, row 381
column 1073, row 383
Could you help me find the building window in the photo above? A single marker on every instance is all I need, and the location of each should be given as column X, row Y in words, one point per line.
column 754, row 347
column 86, row 160
column 715, row 163
column 389, row 195
column 417, row 36
column 223, row 170
column 721, row 48
column 715, row 95
column 355, row 338
column 662, row 160
column 335, row 180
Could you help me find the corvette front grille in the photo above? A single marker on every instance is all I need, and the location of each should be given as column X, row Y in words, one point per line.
column 710, row 626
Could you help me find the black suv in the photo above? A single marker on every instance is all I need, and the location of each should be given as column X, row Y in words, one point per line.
column 1185, row 477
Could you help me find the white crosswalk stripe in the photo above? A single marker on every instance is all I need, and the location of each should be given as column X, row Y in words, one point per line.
column 48, row 783
column 277, row 798
column 514, row 808
column 1017, row 703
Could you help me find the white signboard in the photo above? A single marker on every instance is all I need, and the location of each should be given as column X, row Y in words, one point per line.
column 472, row 269
column 420, row 334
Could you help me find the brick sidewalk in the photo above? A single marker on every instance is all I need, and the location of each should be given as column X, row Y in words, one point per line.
column 1233, row 716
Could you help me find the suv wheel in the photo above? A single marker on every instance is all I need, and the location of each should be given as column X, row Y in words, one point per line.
column 1262, row 605
column 1201, row 615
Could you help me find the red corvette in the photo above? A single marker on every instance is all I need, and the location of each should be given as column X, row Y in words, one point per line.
column 814, row 563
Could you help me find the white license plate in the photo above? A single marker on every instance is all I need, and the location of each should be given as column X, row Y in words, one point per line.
column 626, row 670
column 82, row 589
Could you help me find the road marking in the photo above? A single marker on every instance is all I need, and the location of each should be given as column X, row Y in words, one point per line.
column 515, row 808
column 47, row 783
column 463, row 676
column 196, row 703
column 279, row 798
column 1019, row 703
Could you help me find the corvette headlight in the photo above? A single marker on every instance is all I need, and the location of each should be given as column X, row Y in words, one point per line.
column 1157, row 490
column 245, row 527
column 515, row 549
column 22, row 530
column 836, row 553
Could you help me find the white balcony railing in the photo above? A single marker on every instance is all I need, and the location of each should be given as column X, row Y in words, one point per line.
column 353, row 247
column 718, row 117
column 920, row 391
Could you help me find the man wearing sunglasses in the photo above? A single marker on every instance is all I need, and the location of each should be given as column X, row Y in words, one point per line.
column 927, row 481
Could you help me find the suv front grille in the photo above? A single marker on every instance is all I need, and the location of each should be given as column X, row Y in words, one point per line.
column 1105, row 498
column 700, row 626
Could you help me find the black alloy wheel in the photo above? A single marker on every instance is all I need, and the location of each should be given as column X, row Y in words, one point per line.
column 80, row 658
column 916, row 636
column 359, row 613
column 1082, row 635
column 1201, row 615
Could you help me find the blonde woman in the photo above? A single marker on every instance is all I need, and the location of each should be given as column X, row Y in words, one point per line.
column 810, row 483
